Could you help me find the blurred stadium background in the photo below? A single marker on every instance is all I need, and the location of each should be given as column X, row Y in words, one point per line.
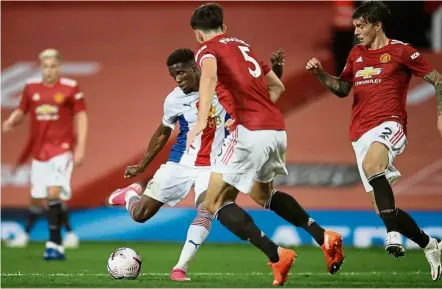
column 117, row 52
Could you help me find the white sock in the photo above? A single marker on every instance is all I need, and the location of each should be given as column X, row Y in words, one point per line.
column 432, row 244
column 196, row 235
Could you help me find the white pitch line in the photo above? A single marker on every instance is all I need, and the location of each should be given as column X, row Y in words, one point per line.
column 20, row 274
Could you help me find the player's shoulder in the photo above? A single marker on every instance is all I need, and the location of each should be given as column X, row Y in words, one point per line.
column 35, row 81
column 177, row 96
column 69, row 82
column 356, row 51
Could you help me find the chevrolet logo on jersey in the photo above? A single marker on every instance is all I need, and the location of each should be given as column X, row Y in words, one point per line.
column 368, row 72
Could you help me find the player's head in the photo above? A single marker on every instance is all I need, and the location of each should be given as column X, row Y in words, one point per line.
column 207, row 22
column 182, row 67
column 370, row 20
column 50, row 62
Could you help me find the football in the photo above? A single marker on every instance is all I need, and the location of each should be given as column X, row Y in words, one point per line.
column 124, row 263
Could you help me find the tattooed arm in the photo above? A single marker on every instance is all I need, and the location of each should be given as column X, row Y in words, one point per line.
column 339, row 87
column 435, row 79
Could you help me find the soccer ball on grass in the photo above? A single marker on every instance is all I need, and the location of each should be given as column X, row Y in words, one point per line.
column 124, row 263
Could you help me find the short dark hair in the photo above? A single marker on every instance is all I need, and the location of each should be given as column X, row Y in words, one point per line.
column 372, row 12
column 181, row 55
column 207, row 17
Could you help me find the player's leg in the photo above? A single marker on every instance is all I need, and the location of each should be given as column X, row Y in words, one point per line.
column 235, row 170
column 140, row 207
column 35, row 210
column 170, row 185
column 375, row 152
column 286, row 206
column 220, row 200
column 374, row 165
column 410, row 229
column 54, row 248
column 71, row 240
column 58, row 190
column 196, row 235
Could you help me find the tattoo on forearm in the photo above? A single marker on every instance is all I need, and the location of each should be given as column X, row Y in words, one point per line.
column 277, row 69
column 334, row 84
column 435, row 79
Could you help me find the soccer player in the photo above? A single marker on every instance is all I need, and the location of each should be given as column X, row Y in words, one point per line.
column 36, row 209
column 55, row 105
column 379, row 69
column 255, row 150
column 173, row 181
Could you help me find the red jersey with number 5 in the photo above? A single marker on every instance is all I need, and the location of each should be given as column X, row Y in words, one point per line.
column 380, row 84
column 241, row 87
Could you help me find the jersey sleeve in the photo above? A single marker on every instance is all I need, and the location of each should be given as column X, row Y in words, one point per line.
column 170, row 117
column 412, row 59
column 347, row 73
column 79, row 103
column 264, row 67
column 25, row 100
column 206, row 51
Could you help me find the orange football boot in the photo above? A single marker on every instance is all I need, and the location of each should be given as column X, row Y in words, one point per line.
column 333, row 251
column 282, row 267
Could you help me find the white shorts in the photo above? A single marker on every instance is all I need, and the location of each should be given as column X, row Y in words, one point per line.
column 55, row 172
column 249, row 156
column 389, row 133
column 172, row 183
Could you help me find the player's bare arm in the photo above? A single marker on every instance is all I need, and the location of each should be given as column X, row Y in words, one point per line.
column 156, row 144
column 274, row 85
column 16, row 117
column 207, row 91
column 81, row 122
column 277, row 59
column 435, row 78
column 339, row 87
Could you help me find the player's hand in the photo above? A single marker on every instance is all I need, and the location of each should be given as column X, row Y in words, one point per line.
column 7, row 126
column 133, row 171
column 277, row 57
column 191, row 135
column 228, row 124
column 439, row 124
column 314, row 66
column 79, row 155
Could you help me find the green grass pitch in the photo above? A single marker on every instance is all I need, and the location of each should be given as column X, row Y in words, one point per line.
column 214, row 266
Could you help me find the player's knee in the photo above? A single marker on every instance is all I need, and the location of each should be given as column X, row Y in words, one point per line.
column 372, row 167
column 261, row 192
column 54, row 193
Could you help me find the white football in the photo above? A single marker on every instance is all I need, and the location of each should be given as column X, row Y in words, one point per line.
column 124, row 263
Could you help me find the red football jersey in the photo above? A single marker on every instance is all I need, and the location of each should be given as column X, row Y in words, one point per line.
column 241, row 87
column 380, row 83
column 51, row 110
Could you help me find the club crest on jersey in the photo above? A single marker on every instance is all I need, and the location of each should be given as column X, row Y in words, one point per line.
column 368, row 72
column 385, row 58
column 58, row 97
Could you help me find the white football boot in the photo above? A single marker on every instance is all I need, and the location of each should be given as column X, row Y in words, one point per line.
column 393, row 244
column 19, row 241
column 71, row 241
column 433, row 252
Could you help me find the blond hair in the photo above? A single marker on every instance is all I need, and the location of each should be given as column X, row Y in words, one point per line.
column 49, row 53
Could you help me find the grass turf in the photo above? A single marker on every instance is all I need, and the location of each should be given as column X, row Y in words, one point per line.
column 214, row 266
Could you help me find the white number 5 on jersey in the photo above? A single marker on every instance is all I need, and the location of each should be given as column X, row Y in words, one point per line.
column 256, row 72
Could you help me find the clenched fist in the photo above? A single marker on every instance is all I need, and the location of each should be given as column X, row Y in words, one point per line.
column 314, row 66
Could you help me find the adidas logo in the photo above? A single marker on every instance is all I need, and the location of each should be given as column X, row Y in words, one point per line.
column 359, row 59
